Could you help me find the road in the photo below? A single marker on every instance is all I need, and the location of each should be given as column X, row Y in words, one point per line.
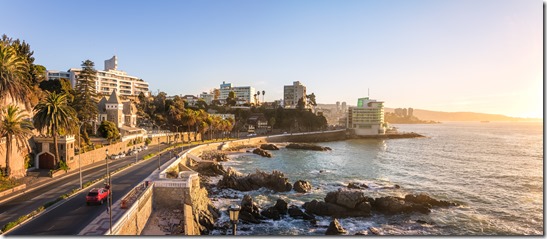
column 73, row 214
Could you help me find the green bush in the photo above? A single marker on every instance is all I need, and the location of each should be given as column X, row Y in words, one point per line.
column 147, row 141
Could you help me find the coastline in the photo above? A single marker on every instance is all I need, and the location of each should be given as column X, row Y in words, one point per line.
column 221, row 196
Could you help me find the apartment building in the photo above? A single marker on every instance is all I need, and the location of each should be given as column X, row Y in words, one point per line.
column 367, row 118
column 292, row 93
column 108, row 80
column 244, row 94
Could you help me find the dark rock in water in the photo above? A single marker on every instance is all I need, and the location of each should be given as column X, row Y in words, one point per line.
column 335, row 228
column 275, row 181
column 302, row 186
column 210, row 169
column 307, row 147
column 426, row 199
column 249, row 210
column 271, row 213
column 269, row 147
column 262, row 152
column 295, row 212
column 281, row 206
column 421, row 221
column 391, row 205
column 357, row 185
column 322, row 171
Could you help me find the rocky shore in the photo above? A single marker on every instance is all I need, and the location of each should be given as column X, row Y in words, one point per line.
column 351, row 201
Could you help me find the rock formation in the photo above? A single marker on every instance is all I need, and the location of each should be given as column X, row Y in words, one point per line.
column 307, row 147
column 335, row 228
column 302, row 186
column 354, row 185
column 249, row 210
column 275, row 181
column 341, row 203
column 262, row 152
column 269, row 147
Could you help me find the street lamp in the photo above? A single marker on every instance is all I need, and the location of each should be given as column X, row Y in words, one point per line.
column 80, row 153
column 234, row 216
column 110, row 189
column 159, row 155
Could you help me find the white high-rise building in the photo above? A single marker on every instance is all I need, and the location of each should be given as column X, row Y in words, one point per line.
column 207, row 97
column 244, row 94
column 367, row 118
column 108, row 80
column 293, row 93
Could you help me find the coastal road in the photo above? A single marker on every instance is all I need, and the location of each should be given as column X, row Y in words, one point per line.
column 73, row 215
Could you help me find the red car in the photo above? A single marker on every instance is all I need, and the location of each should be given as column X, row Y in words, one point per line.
column 97, row 195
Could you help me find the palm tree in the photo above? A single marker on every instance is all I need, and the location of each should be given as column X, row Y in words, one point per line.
column 56, row 117
column 258, row 94
column 14, row 126
column 14, row 77
column 189, row 118
column 263, row 93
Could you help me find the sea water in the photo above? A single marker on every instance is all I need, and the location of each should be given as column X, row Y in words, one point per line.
column 493, row 170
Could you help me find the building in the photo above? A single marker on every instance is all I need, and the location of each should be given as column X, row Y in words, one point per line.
column 190, row 99
column 122, row 113
column 108, row 80
column 57, row 75
column 244, row 94
column 293, row 93
column 207, row 97
column 367, row 118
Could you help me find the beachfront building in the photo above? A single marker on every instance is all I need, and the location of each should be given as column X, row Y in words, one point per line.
column 108, row 80
column 244, row 94
column 293, row 93
column 367, row 118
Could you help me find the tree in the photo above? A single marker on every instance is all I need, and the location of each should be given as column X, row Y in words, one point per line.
column 14, row 126
column 311, row 99
column 109, row 130
column 258, row 94
column 189, row 118
column 85, row 96
column 56, row 117
column 301, row 105
column 263, row 93
column 15, row 77
column 231, row 99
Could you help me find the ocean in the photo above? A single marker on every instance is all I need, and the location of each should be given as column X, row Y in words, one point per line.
column 494, row 171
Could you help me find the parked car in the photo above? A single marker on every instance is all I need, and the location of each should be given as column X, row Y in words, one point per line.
column 97, row 195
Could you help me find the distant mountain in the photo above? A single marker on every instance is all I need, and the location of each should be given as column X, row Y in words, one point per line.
column 462, row 116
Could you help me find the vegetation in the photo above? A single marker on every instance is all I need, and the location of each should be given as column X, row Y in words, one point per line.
column 55, row 117
column 110, row 131
column 85, row 98
column 20, row 77
column 14, row 126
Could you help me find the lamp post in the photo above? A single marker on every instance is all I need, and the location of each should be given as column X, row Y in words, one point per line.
column 159, row 155
column 80, row 153
column 234, row 216
column 110, row 189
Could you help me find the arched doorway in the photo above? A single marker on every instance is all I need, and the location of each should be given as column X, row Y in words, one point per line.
column 46, row 161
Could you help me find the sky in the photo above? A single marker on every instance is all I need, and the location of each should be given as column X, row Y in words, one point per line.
column 445, row 55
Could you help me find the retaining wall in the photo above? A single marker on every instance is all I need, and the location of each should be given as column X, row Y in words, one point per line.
column 136, row 216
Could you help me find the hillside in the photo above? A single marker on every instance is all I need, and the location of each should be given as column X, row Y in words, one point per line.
column 463, row 116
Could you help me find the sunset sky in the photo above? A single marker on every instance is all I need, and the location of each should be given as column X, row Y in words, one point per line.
column 458, row 55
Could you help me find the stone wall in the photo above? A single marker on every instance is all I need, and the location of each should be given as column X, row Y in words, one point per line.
column 17, row 159
column 136, row 217
column 168, row 197
column 99, row 154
